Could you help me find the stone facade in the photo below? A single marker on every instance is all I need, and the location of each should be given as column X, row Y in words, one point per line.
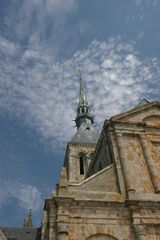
column 118, row 196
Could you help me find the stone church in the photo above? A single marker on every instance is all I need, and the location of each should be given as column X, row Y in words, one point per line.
column 109, row 187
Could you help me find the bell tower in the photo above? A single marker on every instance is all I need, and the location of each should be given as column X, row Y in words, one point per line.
column 81, row 147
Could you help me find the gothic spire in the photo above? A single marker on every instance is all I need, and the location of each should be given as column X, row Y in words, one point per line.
column 82, row 97
column 83, row 110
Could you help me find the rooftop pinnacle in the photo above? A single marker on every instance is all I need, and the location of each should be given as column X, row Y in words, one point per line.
column 28, row 220
column 83, row 110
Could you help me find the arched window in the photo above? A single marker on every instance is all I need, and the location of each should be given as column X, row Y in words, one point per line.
column 81, row 164
column 100, row 166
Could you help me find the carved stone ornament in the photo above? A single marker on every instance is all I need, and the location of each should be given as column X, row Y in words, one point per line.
column 140, row 229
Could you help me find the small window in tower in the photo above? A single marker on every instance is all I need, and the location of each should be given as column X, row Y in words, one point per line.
column 100, row 166
column 82, row 110
column 81, row 163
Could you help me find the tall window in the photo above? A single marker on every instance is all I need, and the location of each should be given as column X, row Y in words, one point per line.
column 81, row 163
column 100, row 166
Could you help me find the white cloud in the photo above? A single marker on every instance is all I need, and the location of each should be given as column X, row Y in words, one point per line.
column 149, row 3
column 7, row 46
column 38, row 23
column 43, row 91
column 29, row 197
column 26, row 195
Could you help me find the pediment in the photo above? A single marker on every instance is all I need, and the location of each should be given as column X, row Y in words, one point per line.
column 148, row 113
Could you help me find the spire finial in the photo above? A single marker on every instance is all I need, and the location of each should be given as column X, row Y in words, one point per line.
column 83, row 111
column 81, row 92
column 28, row 220
column 82, row 97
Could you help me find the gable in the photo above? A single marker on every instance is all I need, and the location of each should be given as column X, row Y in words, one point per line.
column 102, row 185
column 103, row 181
column 148, row 113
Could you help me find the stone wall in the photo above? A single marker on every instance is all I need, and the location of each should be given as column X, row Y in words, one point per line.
column 72, row 164
column 120, row 201
column 88, row 220
column 102, row 156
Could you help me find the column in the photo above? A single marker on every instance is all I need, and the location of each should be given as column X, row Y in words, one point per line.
column 140, row 232
column 121, row 150
column 52, row 222
column 44, row 224
column 150, row 165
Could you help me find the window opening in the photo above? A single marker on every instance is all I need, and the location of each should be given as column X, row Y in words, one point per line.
column 100, row 166
column 81, row 162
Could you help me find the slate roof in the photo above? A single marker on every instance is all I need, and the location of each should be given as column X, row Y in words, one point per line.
column 85, row 134
column 21, row 233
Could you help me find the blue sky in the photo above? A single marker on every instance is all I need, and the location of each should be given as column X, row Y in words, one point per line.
column 42, row 44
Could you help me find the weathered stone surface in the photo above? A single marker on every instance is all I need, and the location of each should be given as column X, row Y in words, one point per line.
column 118, row 196
column 2, row 237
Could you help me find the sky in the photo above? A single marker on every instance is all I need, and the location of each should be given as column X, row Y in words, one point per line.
column 116, row 44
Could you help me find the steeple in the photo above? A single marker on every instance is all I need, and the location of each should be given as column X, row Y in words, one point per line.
column 83, row 110
column 28, row 220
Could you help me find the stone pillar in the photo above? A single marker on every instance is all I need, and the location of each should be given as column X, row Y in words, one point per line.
column 113, row 141
column 121, row 149
column 152, row 169
column 87, row 162
column 52, row 222
column 140, row 232
column 72, row 160
column 44, row 225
